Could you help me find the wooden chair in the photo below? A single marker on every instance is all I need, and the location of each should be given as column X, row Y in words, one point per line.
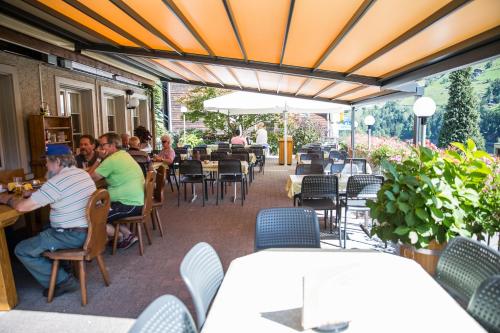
column 140, row 220
column 94, row 246
column 158, row 198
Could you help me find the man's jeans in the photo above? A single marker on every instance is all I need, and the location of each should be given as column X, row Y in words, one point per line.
column 30, row 252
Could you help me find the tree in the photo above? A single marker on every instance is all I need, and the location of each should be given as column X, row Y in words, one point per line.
column 461, row 117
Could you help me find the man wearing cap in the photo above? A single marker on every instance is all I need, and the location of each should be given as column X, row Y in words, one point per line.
column 125, row 184
column 67, row 191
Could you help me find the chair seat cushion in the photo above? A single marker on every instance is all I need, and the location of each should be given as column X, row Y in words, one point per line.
column 192, row 179
column 319, row 204
column 67, row 254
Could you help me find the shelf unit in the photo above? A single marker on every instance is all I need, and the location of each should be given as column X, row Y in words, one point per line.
column 42, row 131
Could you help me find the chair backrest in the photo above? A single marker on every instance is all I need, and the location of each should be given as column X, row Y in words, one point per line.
column 242, row 156
column 231, row 167
column 179, row 151
column 223, row 145
column 286, row 228
column 7, row 175
column 202, row 150
column 310, row 156
column 258, row 151
column 484, row 304
column 217, row 156
column 464, row 264
column 336, row 167
column 166, row 314
column 161, row 174
column 149, row 186
column 359, row 162
column 190, row 168
column 334, row 155
column 201, row 270
column 223, row 150
column 97, row 214
column 320, row 186
column 363, row 185
column 237, row 146
column 309, row 169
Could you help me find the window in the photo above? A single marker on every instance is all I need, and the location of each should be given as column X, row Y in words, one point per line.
column 71, row 107
column 111, row 112
column 135, row 117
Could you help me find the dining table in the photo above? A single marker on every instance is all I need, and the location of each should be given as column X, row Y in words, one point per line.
column 297, row 290
column 208, row 166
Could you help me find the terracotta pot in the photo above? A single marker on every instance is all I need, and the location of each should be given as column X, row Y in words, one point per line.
column 427, row 258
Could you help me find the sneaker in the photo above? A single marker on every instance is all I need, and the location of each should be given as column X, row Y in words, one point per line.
column 127, row 242
column 68, row 285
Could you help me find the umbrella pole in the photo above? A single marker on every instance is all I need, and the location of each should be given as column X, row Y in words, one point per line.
column 285, row 151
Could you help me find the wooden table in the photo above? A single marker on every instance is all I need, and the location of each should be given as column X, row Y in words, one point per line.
column 263, row 292
column 8, row 294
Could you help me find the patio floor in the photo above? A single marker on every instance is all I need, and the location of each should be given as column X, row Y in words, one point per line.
column 136, row 280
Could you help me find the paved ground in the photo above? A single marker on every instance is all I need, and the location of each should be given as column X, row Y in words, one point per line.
column 136, row 280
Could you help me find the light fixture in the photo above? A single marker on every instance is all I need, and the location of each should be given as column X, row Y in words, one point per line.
column 369, row 121
column 132, row 103
column 424, row 108
column 184, row 109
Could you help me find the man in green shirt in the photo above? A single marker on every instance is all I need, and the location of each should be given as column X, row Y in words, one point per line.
column 125, row 184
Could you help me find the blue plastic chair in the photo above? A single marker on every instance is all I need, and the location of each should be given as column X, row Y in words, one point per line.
column 286, row 228
column 167, row 314
column 201, row 270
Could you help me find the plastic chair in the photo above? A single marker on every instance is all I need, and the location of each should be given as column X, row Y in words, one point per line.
column 202, row 150
column 286, row 228
column 321, row 192
column 217, row 156
column 201, row 270
column 309, row 169
column 229, row 171
column 464, row 264
column 97, row 214
column 359, row 189
column 484, row 304
column 191, row 172
column 167, row 314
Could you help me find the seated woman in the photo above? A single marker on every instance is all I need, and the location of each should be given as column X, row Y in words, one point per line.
column 167, row 154
column 139, row 156
column 238, row 139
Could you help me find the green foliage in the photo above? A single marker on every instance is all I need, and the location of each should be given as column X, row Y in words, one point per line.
column 490, row 125
column 436, row 196
column 492, row 93
column 303, row 131
column 392, row 120
column 157, row 97
column 461, row 118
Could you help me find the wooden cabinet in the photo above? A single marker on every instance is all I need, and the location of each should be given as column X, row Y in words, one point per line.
column 47, row 130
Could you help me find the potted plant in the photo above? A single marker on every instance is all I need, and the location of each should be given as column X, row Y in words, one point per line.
column 431, row 197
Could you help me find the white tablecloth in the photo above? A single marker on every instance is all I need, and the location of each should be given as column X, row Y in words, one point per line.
column 262, row 292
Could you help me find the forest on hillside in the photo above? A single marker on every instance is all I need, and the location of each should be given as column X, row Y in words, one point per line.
column 395, row 118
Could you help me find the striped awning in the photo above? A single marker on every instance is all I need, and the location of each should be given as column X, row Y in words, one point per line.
column 345, row 51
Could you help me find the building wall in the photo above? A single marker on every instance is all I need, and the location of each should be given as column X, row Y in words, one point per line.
column 29, row 72
column 177, row 91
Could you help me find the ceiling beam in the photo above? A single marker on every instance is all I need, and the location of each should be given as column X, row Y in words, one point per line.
column 382, row 99
column 363, row 8
column 183, row 19
column 331, row 85
column 348, row 92
column 287, row 29
column 233, row 74
column 148, row 26
column 54, row 13
column 236, row 63
column 305, row 83
column 474, row 49
column 138, row 65
column 267, row 92
column 433, row 18
column 104, row 21
column 189, row 71
column 257, row 78
column 230, row 16
column 212, row 74
column 183, row 78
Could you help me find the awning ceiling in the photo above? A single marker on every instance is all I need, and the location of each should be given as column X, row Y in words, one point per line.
column 329, row 50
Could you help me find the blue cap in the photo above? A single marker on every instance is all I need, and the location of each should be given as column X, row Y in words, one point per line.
column 57, row 149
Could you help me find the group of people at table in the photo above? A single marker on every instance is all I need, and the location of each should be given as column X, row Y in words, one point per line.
column 71, row 181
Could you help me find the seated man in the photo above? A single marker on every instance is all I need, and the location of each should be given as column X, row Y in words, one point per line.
column 125, row 184
column 141, row 157
column 67, row 191
column 237, row 139
column 87, row 155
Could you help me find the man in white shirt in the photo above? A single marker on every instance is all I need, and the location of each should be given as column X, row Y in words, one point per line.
column 261, row 136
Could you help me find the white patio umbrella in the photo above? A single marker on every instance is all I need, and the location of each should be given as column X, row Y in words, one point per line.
column 241, row 102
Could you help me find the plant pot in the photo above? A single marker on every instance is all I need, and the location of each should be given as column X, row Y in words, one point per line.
column 427, row 258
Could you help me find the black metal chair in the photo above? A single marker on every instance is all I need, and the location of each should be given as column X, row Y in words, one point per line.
column 321, row 192
column 464, row 264
column 484, row 304
column 229, row 171
column 223, row 150
column 336, row 168
column 179, row 151
column 237, row 146
column 191, row 172
column 311, row 156
column 223, row 145
column 359, row 189
column 217, row 156
column 202, row 150
column 244, row 155
column 260, row 157
column 286, row 228
column 360, row 163
column 171, row 172
column 334, row 155
column 309, row 169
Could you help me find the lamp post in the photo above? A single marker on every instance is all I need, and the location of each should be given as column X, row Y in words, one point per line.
column 424, row 108
column 184, row 110
column 369, row 121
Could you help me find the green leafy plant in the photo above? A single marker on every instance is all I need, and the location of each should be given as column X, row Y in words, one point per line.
column 434, row 195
